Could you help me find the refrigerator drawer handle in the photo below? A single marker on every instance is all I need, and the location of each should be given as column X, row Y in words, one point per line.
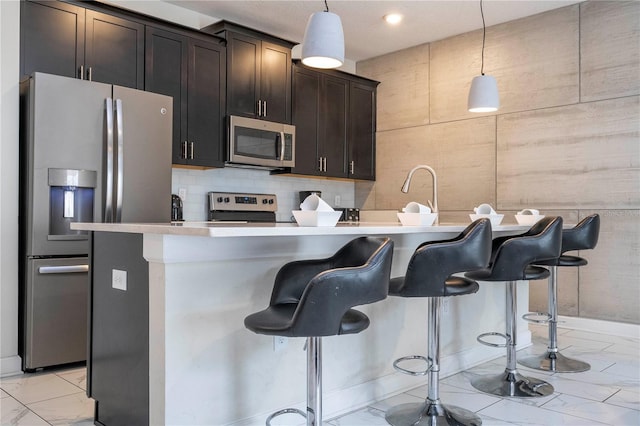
column 70, row 269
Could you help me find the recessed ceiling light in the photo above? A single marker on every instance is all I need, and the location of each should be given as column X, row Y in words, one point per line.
column 393, row 18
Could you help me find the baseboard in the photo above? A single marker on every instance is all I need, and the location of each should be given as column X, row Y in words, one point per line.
column 10, row 366
column 621, row 329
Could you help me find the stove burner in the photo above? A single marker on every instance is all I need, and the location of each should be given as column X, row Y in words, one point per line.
column 231, row 206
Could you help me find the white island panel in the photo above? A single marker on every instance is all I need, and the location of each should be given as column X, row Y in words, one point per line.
column 206, row 368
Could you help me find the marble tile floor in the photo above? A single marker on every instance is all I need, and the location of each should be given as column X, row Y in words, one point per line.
column 608, row 394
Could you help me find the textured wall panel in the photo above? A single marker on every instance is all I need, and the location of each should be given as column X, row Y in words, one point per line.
column 579, row 156
column 609, row 49
column 610, row 283
column 403, row 94
column 462, row 154
column 534, row 59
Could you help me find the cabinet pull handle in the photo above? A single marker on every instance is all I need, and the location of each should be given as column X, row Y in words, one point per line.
column 325, row 164
column 191, row 151
column 351, row 167
column 259, row 108
column 184, row 150
column 81, row 72
column 264, row 108
column 320, row 164
column 90, row 73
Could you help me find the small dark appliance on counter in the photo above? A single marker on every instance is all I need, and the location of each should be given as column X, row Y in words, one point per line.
column 304, row 194
column 349, row 214
column 176, row 208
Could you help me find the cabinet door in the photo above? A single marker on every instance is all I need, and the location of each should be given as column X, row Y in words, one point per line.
column 166, row 59
column 114, row 50
column 51, row 38
column 206, row 103
column 362, row 132
column 333, row 124
column 275, row 83
column 244, row 55
column 306, row 107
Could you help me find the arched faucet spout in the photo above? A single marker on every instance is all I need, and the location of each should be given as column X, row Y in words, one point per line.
column 407, row 182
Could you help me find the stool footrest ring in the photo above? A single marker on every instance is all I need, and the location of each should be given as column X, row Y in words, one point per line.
column 530, row 317
column 495, row 345
column 284, row 411
column 411, row 372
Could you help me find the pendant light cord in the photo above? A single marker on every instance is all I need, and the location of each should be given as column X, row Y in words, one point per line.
column 326, row 6
column 484, row 32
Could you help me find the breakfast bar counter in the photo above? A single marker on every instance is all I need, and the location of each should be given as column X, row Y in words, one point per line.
column 168, row 343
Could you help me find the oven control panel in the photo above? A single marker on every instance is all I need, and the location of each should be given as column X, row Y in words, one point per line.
column 239, row 202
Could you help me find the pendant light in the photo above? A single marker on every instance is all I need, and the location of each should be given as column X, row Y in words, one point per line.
column 483, row 95
column 323, row 43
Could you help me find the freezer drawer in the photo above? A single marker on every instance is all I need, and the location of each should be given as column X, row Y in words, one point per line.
column 56, row 311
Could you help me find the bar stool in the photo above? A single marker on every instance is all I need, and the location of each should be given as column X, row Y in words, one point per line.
column 313, row 298
column 583, row 236
column 511, row 261
column 429, row 274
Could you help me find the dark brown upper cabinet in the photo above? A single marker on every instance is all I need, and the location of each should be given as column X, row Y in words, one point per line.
column 335, row 118
column 192, row 71
column 65, row 39
column 258, row 73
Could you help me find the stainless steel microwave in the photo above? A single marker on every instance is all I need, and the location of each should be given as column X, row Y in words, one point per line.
column 261, row 143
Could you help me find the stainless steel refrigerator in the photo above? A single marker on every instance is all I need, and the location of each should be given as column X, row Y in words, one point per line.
column 90, row 152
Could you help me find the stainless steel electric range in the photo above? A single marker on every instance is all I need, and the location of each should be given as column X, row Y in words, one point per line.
column 241, row 207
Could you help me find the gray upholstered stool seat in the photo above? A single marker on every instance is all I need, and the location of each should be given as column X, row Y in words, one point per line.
column 583, row 236
column 429, row 274
column 511, row 261
column 314, row 298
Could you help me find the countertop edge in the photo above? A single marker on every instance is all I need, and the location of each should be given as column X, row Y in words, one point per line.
column 220, row 229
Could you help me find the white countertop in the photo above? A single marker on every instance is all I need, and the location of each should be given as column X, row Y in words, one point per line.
column 230, row 229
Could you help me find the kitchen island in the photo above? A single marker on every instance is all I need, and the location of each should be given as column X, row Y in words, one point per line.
column 174, row 296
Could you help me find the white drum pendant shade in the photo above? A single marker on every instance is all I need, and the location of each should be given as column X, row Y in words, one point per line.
column 323, row 43
column 483, row 95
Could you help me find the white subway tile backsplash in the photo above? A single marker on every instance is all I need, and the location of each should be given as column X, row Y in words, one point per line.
column 198, row 182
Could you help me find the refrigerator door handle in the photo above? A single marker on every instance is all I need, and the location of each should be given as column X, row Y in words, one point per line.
column 67, row 269
column 120, row 154
column 108, row 201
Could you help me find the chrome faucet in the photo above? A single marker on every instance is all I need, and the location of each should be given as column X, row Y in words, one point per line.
column 407, row 182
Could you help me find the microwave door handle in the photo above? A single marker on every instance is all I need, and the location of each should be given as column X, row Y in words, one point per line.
column 108, row 190
column 282, row 146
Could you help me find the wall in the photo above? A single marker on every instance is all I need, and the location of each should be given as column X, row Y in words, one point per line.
column 566, row 139
column 9, row 46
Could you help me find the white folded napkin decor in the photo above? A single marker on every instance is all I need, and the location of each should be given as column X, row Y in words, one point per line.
column 529, row 212
column 484, row 209
column 315, row 203
column 414, row 207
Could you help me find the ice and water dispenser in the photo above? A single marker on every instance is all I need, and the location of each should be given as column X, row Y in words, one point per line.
column 71, row 196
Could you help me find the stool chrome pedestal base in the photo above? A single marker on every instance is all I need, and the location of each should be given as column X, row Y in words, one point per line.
column 512, row 383
column 556, row 362
column 431, row 414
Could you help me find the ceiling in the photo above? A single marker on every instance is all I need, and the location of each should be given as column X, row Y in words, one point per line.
column 365, row 32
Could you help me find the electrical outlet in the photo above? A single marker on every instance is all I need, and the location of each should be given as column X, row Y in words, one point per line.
column 337, row 201
column 182, row 193
column 119, row 279
column 279, row 343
